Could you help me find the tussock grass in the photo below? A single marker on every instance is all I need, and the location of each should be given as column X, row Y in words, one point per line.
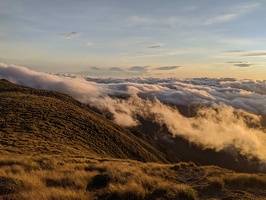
column 57, row 177
column 131, row 190
column 246, row 180
column 23, row 161
column 220, row 178
column 216, row 182
column 55, row 194
column 74, row 177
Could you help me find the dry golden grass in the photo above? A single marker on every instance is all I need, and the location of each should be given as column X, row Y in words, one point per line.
column 70, row 177
column 246, row 180
column 216, row 182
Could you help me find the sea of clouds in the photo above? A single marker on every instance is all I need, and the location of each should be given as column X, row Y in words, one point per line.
column 229, row 104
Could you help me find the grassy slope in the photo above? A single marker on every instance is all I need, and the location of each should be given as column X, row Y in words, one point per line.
column 72, row 177
column 44, row 122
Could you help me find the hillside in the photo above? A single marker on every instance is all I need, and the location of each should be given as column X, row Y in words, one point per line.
column 44, row 122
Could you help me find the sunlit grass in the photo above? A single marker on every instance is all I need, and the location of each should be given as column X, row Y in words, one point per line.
column 48, row 177
column 70, row 177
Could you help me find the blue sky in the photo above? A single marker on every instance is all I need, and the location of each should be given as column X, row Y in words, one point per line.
column 203, row 38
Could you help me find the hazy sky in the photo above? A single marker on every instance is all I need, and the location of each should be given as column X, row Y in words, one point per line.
column 158, row 38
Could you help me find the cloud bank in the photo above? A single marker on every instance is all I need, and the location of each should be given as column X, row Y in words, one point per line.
column 230, row 105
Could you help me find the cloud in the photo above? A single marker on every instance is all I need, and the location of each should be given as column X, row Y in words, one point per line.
column 155, row 46
column 117, row 69
column 148, row 54
column 245, row 8
column 242, row 65
column 70, row 35
column 172, row 21
column 142, row 69
column 138, row 70
column 221, row 18
column 234, row 62
column 77, row 88
column 228, row 105
column 235, row 51
column 141, row 21
column 256, row 54
column 237, row 54
column 88, row 44
column 219, row 127
column 233, row 13
column 95, row 68
column 167, row 68
column 239, row 63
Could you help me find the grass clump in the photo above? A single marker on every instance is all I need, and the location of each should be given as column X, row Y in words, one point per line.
column 166, row 190
column 174, row 191
column 216, row 182
column 246, row 180
column 134, row 180
column 220, row 178
column 18, row 161
column 95, row 167
column 183, row 191
column 54, row 194
column 131, row 190
column 64, row 183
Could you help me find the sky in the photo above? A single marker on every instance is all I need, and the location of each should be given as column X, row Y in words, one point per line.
column 140, row 38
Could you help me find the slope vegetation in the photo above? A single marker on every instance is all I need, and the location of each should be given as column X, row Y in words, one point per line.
column 44, row 122
column 60, row 177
